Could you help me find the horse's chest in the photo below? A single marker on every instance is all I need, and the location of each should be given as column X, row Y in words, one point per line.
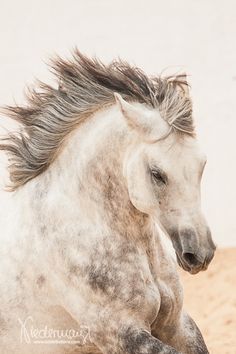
column 164, row 275
column 132, row 277
column 171, row 300
column 125, row 277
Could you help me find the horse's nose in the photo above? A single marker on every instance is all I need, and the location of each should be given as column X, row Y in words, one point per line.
column 191, row 259
column 193, row 254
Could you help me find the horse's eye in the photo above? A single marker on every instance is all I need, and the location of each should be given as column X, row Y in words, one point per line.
column 159, row 176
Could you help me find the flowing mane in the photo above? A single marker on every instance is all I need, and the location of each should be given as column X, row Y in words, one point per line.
column 85, row 85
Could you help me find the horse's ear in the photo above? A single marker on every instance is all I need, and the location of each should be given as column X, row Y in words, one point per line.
column 132, row 113
column 143, row 119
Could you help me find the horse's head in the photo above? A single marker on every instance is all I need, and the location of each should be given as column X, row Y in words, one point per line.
column 163, row 173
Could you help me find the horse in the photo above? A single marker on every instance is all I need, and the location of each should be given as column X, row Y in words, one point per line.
column 103, row 164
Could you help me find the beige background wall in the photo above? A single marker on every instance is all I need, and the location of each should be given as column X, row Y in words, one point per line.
column 198, row 36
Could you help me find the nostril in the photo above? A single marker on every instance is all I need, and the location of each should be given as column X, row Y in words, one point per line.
column 191, row 259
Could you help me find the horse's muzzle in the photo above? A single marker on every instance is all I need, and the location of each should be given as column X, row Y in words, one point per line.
column 190, row 262
column 191, row 255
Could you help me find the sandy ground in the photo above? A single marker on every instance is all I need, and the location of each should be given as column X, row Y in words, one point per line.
column 210, row 298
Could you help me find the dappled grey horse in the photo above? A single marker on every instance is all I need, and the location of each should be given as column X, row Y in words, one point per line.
column 102, row 165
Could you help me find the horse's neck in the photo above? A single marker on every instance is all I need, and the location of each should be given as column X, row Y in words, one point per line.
column 85, row 184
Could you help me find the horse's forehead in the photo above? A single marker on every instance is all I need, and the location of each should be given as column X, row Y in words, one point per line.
column 188, row 149
column 179, row 151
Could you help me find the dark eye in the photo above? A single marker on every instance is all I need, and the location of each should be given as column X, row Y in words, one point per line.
column 159, row 176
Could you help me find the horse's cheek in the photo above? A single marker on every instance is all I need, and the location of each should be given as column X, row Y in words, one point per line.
column 139, row 184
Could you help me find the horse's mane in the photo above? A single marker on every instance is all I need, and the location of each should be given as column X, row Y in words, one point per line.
column 84, row 86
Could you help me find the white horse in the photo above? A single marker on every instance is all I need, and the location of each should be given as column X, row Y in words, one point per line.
column 97, row 163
